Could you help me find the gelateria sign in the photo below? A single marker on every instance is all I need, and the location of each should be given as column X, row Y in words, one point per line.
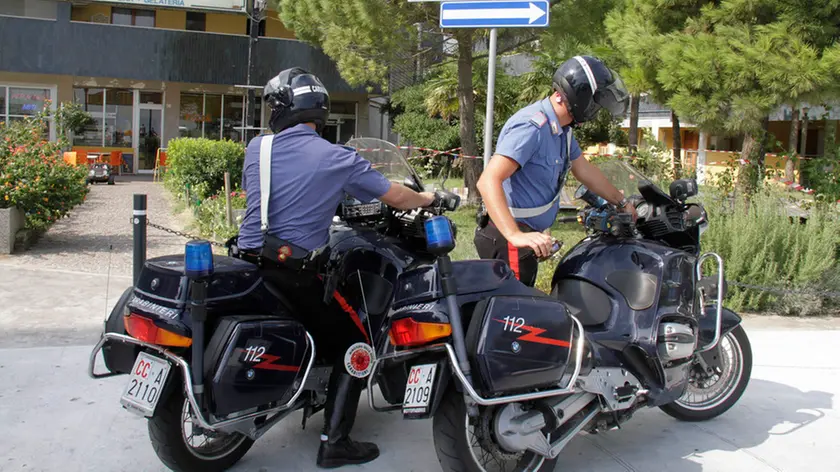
column 225, row 5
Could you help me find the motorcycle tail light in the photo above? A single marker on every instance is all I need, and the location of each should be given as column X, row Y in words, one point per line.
column 146, row 330
column 407, row 332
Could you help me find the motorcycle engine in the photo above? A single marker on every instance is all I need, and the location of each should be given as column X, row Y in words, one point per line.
column 675, row 341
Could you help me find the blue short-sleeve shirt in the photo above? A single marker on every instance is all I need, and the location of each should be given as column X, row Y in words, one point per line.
column 535, row 140
column 309, row 176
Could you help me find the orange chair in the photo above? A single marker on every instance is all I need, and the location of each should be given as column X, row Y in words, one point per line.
column 160, row 163
column 116, row 161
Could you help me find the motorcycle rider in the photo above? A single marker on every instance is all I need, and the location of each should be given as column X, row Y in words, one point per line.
column 521, row 186
column 309, row 177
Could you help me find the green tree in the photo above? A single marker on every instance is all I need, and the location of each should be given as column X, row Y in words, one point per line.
column 367, row 38
column 730, row 67
column 637, row 30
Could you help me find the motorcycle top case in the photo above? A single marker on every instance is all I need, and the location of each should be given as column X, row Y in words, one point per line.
column 255, row 361
column 520, row 342
column 163, row 280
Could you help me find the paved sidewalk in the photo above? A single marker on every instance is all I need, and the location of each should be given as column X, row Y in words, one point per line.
column 787, row 421
column 81, row 241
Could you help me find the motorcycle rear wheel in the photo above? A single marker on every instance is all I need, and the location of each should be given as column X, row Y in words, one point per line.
column 172, row 441
column 459, row 450
column 731, row 384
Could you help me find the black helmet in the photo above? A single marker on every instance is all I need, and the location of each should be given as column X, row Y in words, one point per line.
column 587, row 85
column 296, row 96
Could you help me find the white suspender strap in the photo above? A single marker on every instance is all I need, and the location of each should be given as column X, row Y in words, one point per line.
column 265, row 178
column 533, row 212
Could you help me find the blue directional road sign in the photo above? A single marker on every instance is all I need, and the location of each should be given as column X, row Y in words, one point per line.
column 494, row 14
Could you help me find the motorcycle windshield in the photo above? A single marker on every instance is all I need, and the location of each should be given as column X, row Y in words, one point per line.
column 624, row 176
column 385, row 157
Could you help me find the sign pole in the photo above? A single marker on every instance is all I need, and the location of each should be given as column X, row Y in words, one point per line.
column 491, row 92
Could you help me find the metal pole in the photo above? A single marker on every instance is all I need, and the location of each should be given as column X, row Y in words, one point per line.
column 228, row 208
column 251, row 101
column 139, row 223
column 491, row 90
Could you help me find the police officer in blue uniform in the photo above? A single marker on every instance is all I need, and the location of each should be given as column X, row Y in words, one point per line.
column 536, row 149
column 309, row 177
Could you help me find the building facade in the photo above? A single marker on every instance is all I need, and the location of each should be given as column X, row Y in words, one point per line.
column 149, row 71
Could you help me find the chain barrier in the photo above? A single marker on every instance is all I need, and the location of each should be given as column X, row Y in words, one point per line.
column 181, row 233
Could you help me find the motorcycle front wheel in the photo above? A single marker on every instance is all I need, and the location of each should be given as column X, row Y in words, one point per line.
column 183, row 447
column 465, row 444
column 714, row 390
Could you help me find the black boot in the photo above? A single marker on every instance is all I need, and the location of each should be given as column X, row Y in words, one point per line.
column 337, row 449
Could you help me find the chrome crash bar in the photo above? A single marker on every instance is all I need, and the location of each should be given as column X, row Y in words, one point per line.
column 453, row 361
column 719, row 304
column 187, row 374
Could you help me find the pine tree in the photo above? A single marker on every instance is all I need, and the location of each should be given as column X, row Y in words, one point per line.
column 727, row 69
column 637, row 30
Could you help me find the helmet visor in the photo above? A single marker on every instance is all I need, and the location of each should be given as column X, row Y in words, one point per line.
column 613, row 97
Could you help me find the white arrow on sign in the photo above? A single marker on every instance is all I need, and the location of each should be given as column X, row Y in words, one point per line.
column 532, row 13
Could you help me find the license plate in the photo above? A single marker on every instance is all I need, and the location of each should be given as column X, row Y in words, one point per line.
column 418, row 388
column 145, row 384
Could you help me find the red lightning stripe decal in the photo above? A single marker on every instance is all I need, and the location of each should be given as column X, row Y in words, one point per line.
column 534, row 333
column 268, row 364
column 353, row 315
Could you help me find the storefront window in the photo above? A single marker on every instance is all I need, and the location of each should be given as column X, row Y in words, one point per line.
column 213, row 116
column 216, row 116
column 192, row 115
column 119, row 118
column 234, row 114
column 92, row 101
column 27, row 101
column 2, row 104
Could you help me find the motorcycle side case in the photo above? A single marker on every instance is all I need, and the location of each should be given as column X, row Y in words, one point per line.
column 119, row 357
column 519, row 342
column 254, row 361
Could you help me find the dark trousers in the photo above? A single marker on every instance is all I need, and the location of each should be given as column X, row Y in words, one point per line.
column 490, row 244
column 334, row 326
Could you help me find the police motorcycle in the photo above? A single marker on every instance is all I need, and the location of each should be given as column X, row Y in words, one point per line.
column 216, row 356
column 510, row 375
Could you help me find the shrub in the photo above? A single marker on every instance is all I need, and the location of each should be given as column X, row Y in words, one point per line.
column 201, row 164
column 761, row 245
column 211, row 218
column 33, row 175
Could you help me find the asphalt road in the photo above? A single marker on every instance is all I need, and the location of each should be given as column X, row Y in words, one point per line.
column 55, row 418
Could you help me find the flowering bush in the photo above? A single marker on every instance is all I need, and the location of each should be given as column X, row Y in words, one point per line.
column 211, row 218
column 34, row 177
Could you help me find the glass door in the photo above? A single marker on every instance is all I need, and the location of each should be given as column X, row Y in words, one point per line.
column 150, row 127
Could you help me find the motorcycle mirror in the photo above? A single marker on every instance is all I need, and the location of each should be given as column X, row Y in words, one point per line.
column 411, row 183
column 682, row 189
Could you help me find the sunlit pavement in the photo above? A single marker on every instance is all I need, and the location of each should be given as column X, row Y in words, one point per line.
column 55, row 418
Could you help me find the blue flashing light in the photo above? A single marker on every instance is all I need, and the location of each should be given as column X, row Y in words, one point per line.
column 198, row 259
column 439, row 235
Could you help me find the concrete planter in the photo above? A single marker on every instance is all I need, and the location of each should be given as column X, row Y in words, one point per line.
column 11, row 221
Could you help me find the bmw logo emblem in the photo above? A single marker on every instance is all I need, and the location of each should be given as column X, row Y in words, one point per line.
column 515, row 347
column 155, row 284
column 249, row 374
